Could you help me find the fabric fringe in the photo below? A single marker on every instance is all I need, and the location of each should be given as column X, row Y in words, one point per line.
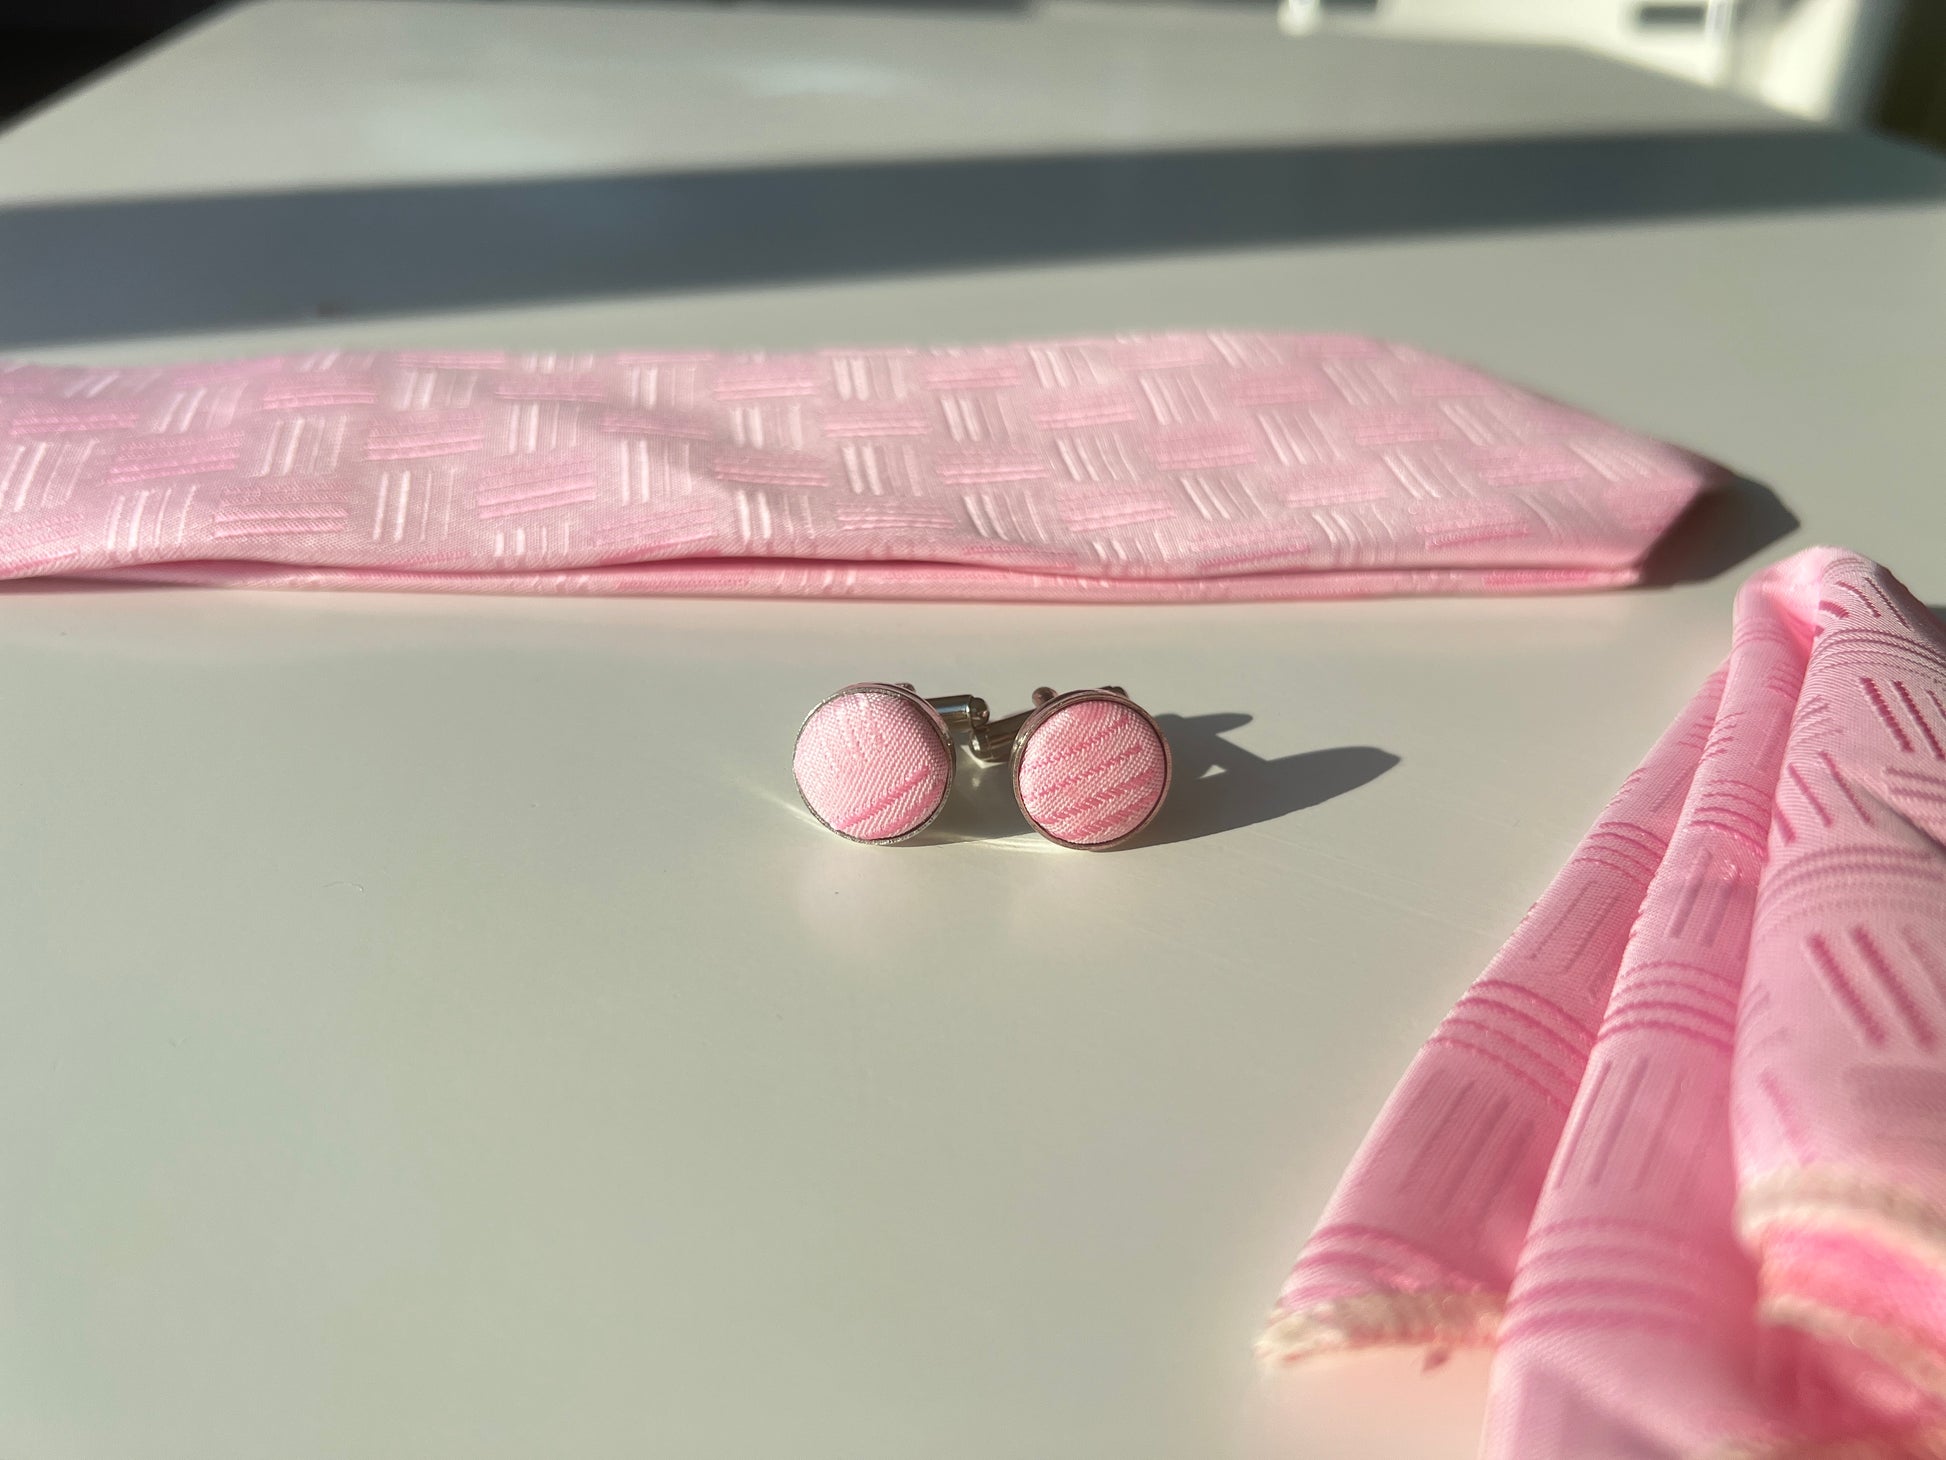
column 1926, row 1444
column 1383, row 1320
column 1823, row 1196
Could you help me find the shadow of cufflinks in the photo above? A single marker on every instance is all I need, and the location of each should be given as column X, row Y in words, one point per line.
column 1220, row 786
column 1217, row 786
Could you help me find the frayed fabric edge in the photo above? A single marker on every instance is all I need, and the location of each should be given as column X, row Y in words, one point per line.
column 1382, row 1320
column 1834, row 1201
column 1835, row 1198
column 1911, row 1360
column 1926, row 1444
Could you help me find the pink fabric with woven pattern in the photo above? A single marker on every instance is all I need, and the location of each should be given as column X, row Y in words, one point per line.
column 872, row 765
column 1680, row 1152
column 1170, row 467
column 1092, row 772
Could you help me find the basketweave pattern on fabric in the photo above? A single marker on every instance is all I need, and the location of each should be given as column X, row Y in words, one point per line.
column 872, row 765
column 1170, row 466
column 1677, row 1154
column 1092, row 772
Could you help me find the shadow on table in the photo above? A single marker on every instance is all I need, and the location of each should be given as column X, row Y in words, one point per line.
column 1217, row 787
column 1220, row 786
column 1728, row 525
column 125, row 267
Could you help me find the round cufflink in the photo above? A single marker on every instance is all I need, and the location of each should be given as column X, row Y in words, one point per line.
column 1091, row 768
column 874, row 762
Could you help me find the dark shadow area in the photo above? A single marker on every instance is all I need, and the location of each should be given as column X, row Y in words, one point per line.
column 80, row 270
column 46, row 46
column 1910, row 97
column 1728, row 525
column 35, row 66
column 1219, row 786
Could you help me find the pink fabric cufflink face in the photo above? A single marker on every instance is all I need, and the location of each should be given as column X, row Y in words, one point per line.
column 874, row 763
column 1090, row 769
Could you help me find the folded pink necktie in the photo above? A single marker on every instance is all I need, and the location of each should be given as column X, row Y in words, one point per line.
column 1679, row 1154
column 1168, row 467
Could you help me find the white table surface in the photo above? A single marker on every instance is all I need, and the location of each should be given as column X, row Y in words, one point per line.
column 429, row 1028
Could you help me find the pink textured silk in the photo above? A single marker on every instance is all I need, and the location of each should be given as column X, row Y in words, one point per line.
column 1170, row 467
column 871, row 765
column 1092, row 772
column 1679, row 1154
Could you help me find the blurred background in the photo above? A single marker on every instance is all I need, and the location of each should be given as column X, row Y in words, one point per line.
column 1870, row 63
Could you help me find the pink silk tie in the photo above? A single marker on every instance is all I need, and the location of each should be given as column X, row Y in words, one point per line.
column 1160, row 468
column 1679, row 1154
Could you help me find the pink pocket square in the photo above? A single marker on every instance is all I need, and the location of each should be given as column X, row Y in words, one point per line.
column 1171, row 467
column 1679, row 1154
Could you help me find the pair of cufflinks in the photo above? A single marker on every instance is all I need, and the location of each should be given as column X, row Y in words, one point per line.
column 875, row 762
